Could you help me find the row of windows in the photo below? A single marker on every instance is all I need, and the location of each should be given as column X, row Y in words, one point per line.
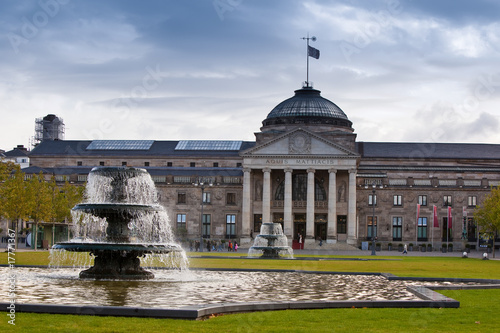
column 207, row 223
column 422, row 224
column 429, row 182
column 169, row 164
column 207, row 198
column 422, row 200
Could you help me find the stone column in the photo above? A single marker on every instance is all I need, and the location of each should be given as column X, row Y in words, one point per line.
column 310, row 204
column 351, row 209
column 287, row 209
column 246, row 217
column 266, row 196
column 332, row 205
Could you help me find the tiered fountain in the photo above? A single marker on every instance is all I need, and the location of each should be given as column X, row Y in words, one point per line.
column 121, row 222
column 271, row 243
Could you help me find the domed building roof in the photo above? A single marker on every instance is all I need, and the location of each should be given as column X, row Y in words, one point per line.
column 307, row 107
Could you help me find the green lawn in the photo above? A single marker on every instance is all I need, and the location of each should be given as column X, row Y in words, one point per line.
column 478, row 310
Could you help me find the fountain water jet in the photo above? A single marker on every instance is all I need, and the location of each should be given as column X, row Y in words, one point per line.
column 271, row 243
column 120, row 223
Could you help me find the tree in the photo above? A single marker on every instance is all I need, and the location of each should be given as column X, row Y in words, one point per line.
column 13, row 199
column 6, row 169
column 65, row 198
column 487, row 215
column 40, row 201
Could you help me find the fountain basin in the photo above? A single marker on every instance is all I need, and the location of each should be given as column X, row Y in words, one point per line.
column 105, row 208
column 140, row 248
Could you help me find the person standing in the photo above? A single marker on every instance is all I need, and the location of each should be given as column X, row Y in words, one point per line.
column 405, row 249
column 300, row 242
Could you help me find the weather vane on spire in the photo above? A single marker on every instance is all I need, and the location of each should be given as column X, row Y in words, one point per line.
column 311, row 52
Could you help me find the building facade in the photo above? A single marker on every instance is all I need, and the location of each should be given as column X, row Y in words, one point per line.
column 306, row 171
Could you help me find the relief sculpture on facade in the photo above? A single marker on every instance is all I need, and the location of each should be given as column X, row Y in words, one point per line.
column 299, row 143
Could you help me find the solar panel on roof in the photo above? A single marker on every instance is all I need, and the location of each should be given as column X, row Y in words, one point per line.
column 208, row 145
column 120, row 145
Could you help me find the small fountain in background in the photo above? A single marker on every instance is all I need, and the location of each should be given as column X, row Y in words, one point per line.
column 120, row 223
column 271, row 243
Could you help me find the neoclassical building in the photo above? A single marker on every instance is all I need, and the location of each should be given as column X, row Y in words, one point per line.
column 304, row 170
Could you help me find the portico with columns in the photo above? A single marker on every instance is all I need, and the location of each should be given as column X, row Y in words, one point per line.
column 303, row 181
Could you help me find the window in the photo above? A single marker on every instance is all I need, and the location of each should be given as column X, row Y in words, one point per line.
column 101, row 163
column 422, row 200
column 206, row 197
column 181, row 221
column 471, row 230
column 230, row 225
column 181, row 198
column 372, row 227
column 146, row 164
column 79, row 163
column 398, row 200
column 257, row 222
column 341, row 224
column 216, row 165
column 192, row 164
column 169, row 164
column 238, row 165
column 397, row 228
column 231, row 198
column 206, row 219
column 299, row 189
column 446, row 230
column 422, row 229
column 472, row 201
column 372, row 199
column 447, row 200
column 124, row 163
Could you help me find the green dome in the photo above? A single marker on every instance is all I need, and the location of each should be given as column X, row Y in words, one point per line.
column 307, row 106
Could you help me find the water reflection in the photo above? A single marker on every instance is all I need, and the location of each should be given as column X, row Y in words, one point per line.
column 174, row 289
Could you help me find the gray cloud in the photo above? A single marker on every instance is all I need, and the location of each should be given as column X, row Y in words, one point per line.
column 231, row 66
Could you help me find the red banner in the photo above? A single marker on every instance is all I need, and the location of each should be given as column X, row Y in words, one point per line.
column 435, row 217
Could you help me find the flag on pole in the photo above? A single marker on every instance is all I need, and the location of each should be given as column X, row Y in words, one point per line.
column 312, row 52
column 449, row 217
column 418, row 211
column 435, row 217
column 464, row 211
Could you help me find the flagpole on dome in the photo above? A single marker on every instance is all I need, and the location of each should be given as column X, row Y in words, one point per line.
column 311, row 52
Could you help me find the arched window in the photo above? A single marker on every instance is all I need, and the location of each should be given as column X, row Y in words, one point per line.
column 299, row 189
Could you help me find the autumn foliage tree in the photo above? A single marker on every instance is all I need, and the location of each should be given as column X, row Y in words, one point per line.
column 487, row 215
column 40, row 201
column 14, row 199
column 35, row 199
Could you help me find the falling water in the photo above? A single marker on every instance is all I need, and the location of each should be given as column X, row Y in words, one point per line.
column 112, row 196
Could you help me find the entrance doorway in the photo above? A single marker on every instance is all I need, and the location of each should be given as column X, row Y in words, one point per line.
column 342, row 227
column 320, row 231
column 320, row 227
column 299, row 228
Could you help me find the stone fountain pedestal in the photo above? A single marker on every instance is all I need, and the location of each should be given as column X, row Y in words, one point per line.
column 271, row 243
column 116, row 257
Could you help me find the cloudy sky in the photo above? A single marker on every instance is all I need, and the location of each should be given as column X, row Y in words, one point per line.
column 407, row 70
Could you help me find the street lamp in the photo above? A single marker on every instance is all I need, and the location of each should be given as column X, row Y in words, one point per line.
column 202, row 185
column 374, row 186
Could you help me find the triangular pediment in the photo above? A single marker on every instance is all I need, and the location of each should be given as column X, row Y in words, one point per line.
column 299, row 142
